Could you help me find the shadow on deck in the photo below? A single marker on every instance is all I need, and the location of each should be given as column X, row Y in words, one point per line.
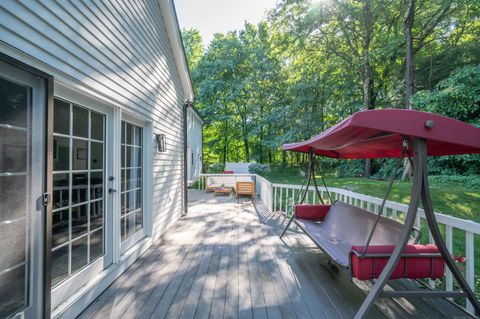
column 225, row 260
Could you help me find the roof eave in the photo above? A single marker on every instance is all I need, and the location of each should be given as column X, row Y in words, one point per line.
column 167, row 8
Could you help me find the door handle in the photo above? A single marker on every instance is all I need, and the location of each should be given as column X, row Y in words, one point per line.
column 111, row 190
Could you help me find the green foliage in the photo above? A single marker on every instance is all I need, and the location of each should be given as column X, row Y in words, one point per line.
column 457, row 96
column 304, row 69
column 260, row 169
column 350, row 168
column 215, row 168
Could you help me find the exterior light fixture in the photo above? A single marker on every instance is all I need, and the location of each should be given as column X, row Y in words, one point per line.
column 161, row 142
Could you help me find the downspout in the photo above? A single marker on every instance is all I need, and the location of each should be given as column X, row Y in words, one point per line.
column 186, row 105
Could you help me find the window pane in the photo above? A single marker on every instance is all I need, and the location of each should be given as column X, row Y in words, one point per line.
column 138, row 199
column 12, row 244
column 96, row 126
column 79, row 154
column 124, row 125
column 138, row 220
column 129, row 133
column 61, row 117
column 123, row 156
column 123, row 209
column 80, row 122
column 97, row 155
column 138, row 136
column 96, row 244
column 60, row 221
column 96, row 215
column 79, row 253
column 61, row 186
column 12, row 296
column 61, row 153
column 79, row 188
column 13, row 153
column 123, row 232
column 12, row 197
column 130, row 224
column 130, row 202
column 79, row 220
column 14, row 104
column 96, row 185
column 59, row 264
column 122, row 182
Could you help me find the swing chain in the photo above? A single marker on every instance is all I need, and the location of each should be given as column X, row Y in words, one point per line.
column 406, row 152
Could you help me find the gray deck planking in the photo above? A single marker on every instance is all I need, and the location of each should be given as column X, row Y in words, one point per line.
column 225, row 260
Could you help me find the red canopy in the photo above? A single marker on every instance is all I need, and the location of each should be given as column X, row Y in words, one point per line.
column 380, row 133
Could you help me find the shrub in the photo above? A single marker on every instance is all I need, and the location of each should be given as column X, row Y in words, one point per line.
column 260, row 169
column 215, row 168
column 351, row 168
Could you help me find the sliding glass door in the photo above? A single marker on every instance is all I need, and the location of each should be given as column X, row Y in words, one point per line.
column 22, row 173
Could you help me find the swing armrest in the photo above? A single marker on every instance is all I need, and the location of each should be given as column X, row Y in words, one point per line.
column 315, row 212
column 417, row 238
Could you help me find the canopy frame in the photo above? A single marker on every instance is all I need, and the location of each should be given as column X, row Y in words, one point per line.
column 420, row 191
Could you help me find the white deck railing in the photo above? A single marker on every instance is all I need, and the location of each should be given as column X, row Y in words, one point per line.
column 281, row 198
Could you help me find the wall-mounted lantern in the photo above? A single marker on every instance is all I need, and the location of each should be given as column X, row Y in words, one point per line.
column 161, row 142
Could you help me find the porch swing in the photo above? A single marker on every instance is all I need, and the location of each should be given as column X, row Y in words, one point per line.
column 372, row 246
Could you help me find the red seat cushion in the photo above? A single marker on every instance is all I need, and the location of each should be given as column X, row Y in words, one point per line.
column 306, row 211
column 227, row 172
column 408, row 267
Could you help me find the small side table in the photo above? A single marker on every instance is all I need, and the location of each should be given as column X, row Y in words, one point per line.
column 222, row 191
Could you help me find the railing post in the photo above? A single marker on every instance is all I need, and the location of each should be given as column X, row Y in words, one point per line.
column 449, row 242
column 470, row 266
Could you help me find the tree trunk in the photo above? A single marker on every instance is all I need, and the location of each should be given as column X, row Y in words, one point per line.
column 409, row 55
column 409, row 63
column 367, row 70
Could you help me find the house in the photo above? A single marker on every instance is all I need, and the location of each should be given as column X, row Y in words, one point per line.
column 194, row 144
column 93, row 100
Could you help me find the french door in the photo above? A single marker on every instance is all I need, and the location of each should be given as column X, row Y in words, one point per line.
column 82, row 173
column 22, row 180
column 132, row 183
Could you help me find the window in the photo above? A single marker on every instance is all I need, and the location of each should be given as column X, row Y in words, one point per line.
column 78, row 189
column 131, row 219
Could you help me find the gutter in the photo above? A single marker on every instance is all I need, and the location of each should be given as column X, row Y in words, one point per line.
column 186, row 106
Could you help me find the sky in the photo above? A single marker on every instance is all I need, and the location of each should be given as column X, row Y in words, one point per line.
column 220, row 16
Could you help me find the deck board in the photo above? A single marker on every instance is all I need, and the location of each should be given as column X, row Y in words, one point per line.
column 225, row 260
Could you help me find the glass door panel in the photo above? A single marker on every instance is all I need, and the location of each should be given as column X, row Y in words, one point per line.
column 78, row 189
column 15, row 139
column 131, row 219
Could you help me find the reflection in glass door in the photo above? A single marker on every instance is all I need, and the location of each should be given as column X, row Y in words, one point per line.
column 78, row 189
column 22, row 109
column 131, row 219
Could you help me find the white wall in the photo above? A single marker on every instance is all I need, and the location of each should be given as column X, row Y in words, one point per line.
column 194, row 142
column 117, row 52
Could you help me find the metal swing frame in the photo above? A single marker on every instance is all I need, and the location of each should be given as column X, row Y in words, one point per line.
column 420, row 192
column 303, row 192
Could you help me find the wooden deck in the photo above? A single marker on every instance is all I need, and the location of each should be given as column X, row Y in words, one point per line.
column 225, row 260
